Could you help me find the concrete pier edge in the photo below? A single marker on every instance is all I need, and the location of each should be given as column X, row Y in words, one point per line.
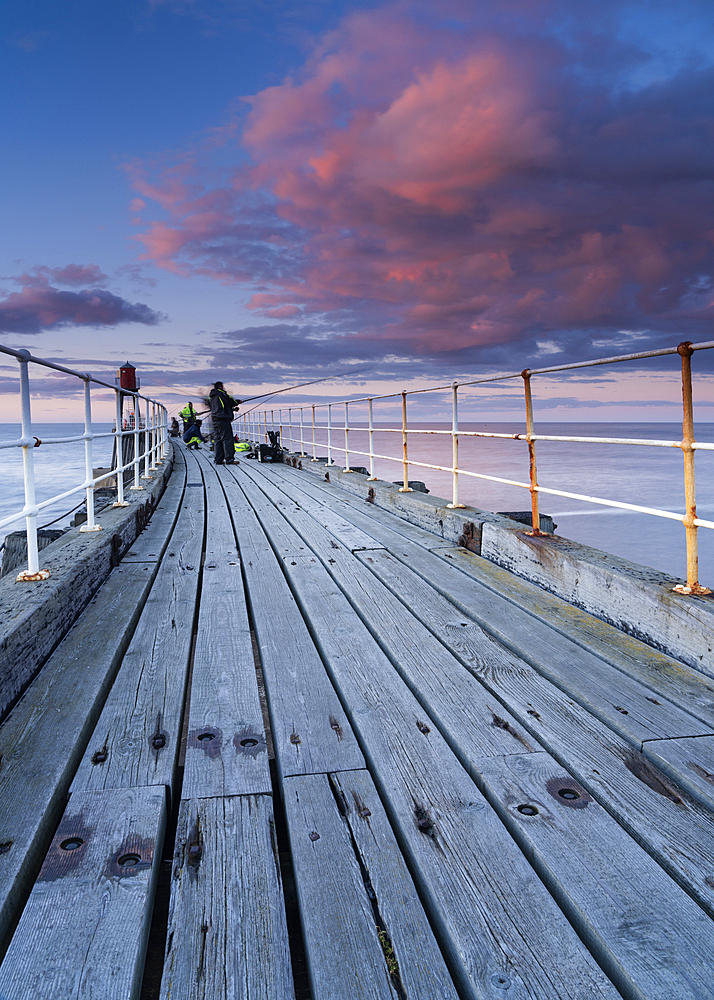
column 35, row 616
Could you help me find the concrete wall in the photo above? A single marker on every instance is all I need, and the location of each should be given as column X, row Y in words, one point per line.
column 34, row 617
column 635, row 599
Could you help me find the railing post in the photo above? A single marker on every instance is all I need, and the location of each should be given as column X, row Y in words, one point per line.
column 119, row 442
column 406, row 488
column 290, row 430
column 147, row 474
column 314, row 448
column 33, row 571
column 151, row 409
column 329, row 433
column 137, row 485
column 89, row 524
column 302, row 437
column 372, row 476
column 531, row 451
column 692, row 587
column 455, row 449
column 347, row 438
column 164, row 430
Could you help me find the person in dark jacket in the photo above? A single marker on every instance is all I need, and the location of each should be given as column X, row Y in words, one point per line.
column 222, row 408
column 193, row 436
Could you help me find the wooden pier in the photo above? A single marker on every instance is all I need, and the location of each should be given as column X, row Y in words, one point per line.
column 380, row 766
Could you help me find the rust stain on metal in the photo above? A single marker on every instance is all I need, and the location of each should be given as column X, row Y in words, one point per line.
column 370, row 495
column 424, row 822
column 327, row 477
column 67, row 850
column 207, row 738
column 619, row 708
column 295, row 739
column 250, row 741
column 133, row 856
column 336, row 727
column 506, row 726
column 362, row 810
column 568, row 792
column 422, row 727
column 194, row 847
column 101, row 755
column 314, row 835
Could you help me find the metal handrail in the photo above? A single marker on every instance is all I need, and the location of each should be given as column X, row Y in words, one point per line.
column 153, row 425
column 253, row 423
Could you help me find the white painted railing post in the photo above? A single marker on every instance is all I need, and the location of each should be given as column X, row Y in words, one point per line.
column 347, row 438
column 89, row 524
column 371, row 443
column 329, row 433
column 290, row 429
column 33, row 571
column 406, row 488
column 119, row 445
column 455, row 449
column 137, row 485
column 147, row 474
column 302, row 437
column 314, row 446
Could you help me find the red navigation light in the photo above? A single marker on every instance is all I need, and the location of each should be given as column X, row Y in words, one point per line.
column 127, row 377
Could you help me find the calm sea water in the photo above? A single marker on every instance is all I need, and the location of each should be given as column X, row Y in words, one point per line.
column 648, row 476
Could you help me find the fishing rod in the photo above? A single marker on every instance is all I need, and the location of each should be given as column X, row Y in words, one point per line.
column 300, row 385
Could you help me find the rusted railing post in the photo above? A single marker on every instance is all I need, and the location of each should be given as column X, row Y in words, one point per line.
column 406, row 488
column 531, row 451
column 455, row 449
column 371, row 443
column 692, row 587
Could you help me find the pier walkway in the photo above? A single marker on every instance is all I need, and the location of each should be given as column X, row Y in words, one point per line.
column 381, row 766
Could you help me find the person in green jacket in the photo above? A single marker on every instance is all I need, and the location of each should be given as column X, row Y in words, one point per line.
column 188, row 415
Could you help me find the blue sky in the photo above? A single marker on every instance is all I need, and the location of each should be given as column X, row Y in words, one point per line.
column 273, row 191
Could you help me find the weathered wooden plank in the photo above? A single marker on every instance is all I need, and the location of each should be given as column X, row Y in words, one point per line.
column 311, row 733
column 622, row 703
column 492, row 915
column 365, row 931
column 136, row 739
column 651, row 938
column 151, row 543
column 677, row 830
column 693, row 757
column 227, row 936
column 663, row 674
column 44, row 737
column 226, row 748
column 84, row 930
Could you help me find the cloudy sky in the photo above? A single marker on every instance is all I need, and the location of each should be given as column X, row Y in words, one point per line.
column 272, row 191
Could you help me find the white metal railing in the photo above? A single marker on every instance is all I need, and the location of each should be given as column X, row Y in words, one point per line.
column 153, row 426
column 255, row 424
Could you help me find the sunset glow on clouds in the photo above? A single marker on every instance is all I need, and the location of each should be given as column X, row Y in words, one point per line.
column 450, row 188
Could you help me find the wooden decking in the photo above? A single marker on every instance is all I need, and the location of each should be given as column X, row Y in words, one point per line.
column 468, row 788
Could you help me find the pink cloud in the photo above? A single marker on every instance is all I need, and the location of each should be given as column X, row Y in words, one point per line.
column 455, row 187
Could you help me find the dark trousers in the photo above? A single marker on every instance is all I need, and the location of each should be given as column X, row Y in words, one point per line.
column 223, row 439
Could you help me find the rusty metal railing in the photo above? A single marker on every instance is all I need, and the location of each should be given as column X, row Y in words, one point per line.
column 153, row 426
column 255, row 423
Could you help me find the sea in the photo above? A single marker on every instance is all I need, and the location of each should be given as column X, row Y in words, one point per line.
column 643, row 475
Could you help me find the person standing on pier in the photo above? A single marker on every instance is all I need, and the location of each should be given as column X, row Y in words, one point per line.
column 222, row 407
column 188, row 415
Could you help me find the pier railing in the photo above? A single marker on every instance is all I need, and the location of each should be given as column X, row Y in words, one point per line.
column 151, row 425
column 255, row 425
